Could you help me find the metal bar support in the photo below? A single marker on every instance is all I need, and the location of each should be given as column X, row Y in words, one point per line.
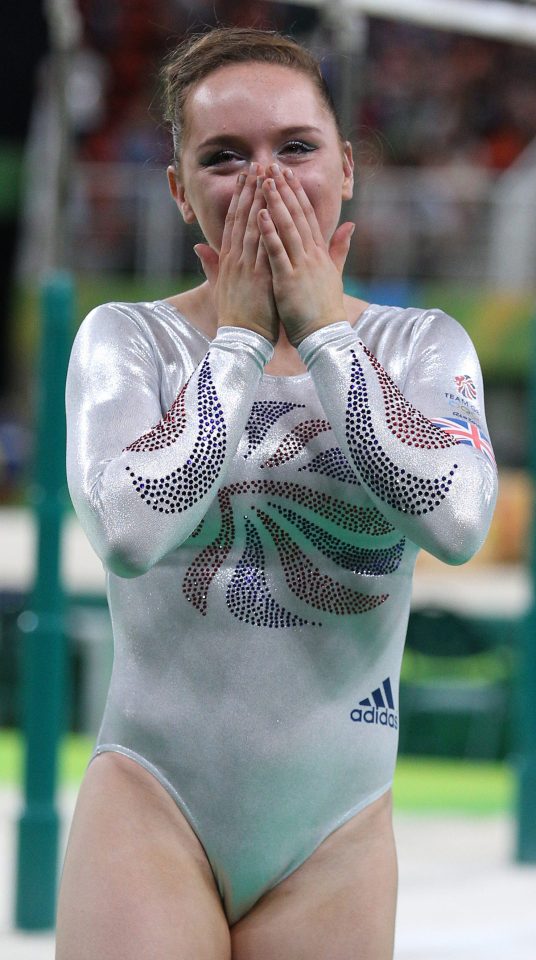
column 42, row 625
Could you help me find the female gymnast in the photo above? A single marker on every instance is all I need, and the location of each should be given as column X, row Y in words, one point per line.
column 257, row 462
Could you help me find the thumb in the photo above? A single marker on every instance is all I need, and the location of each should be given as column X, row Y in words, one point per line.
column 209, row 261
column 340, row 244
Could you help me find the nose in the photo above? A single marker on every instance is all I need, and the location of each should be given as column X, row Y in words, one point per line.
column 263, row 159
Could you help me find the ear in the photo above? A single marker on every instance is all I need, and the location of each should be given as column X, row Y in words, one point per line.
column 179, row 195
column 348, row 171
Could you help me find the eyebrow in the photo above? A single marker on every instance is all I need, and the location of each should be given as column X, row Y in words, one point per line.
column 232, row 139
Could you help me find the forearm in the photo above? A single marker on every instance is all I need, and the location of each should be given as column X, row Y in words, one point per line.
column 146, row 498
column 439, row 492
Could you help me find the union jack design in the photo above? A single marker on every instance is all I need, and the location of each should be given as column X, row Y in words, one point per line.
column 466, row 432
column 465, row 386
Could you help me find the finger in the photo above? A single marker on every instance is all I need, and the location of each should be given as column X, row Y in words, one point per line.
column 305, row 204
column 277, row 255
column 291, row 201
column 243, row 208
column 231, row 213
column 251, row 233
column 261, row 261
column 282, row 219
column 209, row 262
column 340, row 244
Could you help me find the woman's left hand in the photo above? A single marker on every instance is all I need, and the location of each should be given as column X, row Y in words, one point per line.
column 306, row 272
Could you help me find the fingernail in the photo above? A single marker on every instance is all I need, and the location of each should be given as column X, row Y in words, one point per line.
column 241, row 179
column 260, row 181
column 275, row 169
column 288, row 174
column 254, row 169
column 271, row 184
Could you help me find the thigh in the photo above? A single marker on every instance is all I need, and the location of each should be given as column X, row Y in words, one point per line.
column 136, row 883
column 339, row 905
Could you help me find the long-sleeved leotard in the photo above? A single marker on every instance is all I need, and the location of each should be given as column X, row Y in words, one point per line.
column 259, row 544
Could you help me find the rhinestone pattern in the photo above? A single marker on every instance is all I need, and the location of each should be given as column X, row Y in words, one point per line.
column 264, row 414
column 186, row 485
column 248, row 596
column 405, row 422
column 204, row 568
column 394, row 485
column 361, row 560
column 349, row 517
column 167, row 430
column 294, row 443
column 332, row 463
column 309, row 584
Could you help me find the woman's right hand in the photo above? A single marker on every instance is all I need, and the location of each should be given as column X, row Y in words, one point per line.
column 240, row 277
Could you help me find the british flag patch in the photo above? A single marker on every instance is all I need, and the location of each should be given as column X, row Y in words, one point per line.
column 463, row 431
column 465, row 386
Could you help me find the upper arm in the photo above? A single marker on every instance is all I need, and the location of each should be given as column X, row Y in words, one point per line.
column 444, row 380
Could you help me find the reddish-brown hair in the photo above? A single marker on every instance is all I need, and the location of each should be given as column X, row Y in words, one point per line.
column 199, row 55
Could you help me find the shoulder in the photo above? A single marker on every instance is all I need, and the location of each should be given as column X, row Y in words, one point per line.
column 410, row 325
column 403, row 338
column 436, row 332
column 115, row 329
column 120, row 314
column 119, row 319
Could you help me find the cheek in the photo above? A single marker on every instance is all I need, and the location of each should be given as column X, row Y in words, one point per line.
column 217, row 197
column 211, row 203
column 326, row 202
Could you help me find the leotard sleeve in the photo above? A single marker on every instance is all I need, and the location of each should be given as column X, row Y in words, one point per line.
column 423, row 454
column 141, row 482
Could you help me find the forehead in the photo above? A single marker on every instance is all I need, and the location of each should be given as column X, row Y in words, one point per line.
column 233, row 97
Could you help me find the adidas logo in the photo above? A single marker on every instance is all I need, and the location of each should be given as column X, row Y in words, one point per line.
column 378, row 708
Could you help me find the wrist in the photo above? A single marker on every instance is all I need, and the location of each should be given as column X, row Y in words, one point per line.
column 237, row 339
column 249, row 325
column 297, row 334
column 332, row 335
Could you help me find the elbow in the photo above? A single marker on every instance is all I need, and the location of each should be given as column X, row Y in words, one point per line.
column 124, row 564
column 460, row 548
column 123, row 556
column 463, row 533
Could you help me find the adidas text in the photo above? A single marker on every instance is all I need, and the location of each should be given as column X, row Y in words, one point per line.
column 386, row 718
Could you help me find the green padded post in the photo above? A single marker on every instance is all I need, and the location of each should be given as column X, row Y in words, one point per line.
column 526, row 811
column 42, row 624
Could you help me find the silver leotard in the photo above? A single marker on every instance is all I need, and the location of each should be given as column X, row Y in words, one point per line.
column 259, row 543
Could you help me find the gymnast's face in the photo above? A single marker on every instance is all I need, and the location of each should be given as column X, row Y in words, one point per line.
column 260, row 112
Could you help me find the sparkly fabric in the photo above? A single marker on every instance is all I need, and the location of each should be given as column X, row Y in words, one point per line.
column 166, row 431
column 369, row 563
column 309, row 584
column 264, row 414
column 405, row 422
column 296, row 441
column 248, row 596
column 331, row 463
column 259, row 543
column 402, row 490
column 181, row 488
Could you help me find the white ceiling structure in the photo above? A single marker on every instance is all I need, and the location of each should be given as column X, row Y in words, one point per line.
column 495, row 19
